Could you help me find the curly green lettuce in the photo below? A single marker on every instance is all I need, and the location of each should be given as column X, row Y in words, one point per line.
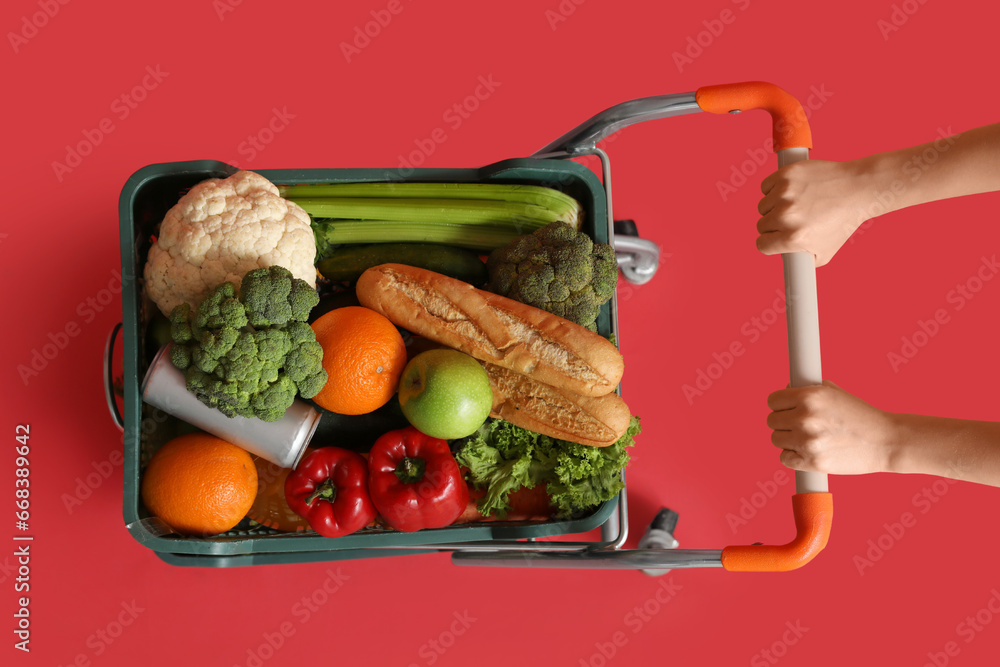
column 503, row 458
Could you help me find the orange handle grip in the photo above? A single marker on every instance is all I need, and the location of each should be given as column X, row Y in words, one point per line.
column 813, row 520
column 791, row 128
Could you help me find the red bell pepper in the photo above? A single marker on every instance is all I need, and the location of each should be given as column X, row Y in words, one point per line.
column 415, row 482
column 329, row 488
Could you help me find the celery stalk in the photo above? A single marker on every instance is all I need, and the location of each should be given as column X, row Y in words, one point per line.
column 565, row 206
column 484, row 237
column 464, row 211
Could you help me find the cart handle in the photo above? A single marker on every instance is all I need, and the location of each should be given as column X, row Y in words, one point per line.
column 813, row 520
column 790, row 125
column 813, row 504
column 109, row 381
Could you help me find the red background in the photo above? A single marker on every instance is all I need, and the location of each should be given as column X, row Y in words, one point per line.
column 224, row 76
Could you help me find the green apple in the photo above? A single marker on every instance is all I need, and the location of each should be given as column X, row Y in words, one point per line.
column 445, row 394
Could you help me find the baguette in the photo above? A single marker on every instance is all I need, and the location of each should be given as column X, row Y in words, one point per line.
column 493, row 328
column 588, row 420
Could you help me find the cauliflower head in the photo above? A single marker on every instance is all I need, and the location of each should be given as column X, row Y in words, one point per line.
column 219, row 231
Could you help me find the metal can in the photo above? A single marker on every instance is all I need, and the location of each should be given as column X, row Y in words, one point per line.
column 281, row 442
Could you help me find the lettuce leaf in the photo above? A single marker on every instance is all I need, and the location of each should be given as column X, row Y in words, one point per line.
column 503, row 458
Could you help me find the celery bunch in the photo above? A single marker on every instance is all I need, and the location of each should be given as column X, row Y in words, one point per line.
column 480, row 216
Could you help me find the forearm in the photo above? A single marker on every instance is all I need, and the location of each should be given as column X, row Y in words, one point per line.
column 951, row 166
column 955, row 448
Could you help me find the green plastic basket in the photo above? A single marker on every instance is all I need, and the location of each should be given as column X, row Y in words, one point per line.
column 145, row 199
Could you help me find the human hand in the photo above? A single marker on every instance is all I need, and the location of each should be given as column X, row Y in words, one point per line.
column 823, row 428
column 813, row 206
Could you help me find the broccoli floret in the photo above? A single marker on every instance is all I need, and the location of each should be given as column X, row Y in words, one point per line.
column 269, row 371
column 272, row 344
column 304, row 366
column 303, row 299
column 224, row 396
column 265, row 295
column 180, row 355
column 270, row 403
column 503, row 275
column 299, row 332
column 534, row 281
column 582, row 308
column 220, row 308
column 518, row 250
column 180, row 324
column 244, row 357
column 312, row 384
column 205, row 362
column 605, row 272
column 242, row 363
column 557, row 269
column 273, row 296
column 218, row 342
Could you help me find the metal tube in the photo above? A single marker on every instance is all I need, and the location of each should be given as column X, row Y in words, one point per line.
column 631, row 559
column 586, row 135
column 502, row 546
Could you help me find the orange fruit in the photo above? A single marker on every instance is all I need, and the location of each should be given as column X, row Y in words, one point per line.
column 199, row 484
column 364, row 356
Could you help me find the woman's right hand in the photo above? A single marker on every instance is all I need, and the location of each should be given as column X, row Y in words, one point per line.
column 814, row 206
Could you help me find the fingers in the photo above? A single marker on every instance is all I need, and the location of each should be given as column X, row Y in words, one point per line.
column 780, row 228
column 771, row 223
column 784, row 226
column 768, row 182
column 784, row 399
column 775, row 192
column 783, row 420
column 795, row 453
column 790, row 173
column 787, row 422
column 800, row 425
column 767, row 203
column 785, row 440
column 792, row 459
column 771, row 243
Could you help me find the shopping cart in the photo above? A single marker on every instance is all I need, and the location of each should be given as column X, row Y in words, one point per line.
column 153, row 189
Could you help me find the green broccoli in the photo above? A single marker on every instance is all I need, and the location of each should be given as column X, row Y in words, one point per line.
column 300, row 332
column 272, row 344
column 273, row 296
column 557, row 269
column 304, row 367
column 247, row 352
column 220, row 308
column 180, row 355
column 242, row 362
column 217, row 342
column 224, row 396
column 180, row 324
column 271, row 402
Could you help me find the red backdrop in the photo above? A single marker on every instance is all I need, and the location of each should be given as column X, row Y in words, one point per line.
column 94, row 91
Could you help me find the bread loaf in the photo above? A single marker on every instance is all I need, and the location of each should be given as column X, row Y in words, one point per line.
column 493, row 328
column 597, row 421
